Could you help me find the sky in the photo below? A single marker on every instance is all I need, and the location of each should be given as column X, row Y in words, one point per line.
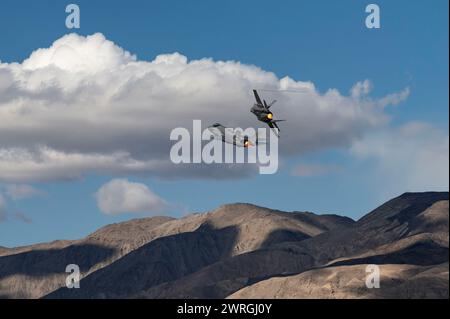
column 85, row 121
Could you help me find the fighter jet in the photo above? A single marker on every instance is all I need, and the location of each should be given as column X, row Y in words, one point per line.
column 232, row 137
column 263, row 113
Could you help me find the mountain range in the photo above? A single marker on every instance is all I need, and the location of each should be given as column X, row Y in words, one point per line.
column 246, row 251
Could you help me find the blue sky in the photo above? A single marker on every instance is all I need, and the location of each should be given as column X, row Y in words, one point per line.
column 325, row 42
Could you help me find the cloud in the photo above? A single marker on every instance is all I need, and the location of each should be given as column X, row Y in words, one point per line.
column 413, row 157
column 394, row 98
column 361, row 88
column 308, row 170
column 42, row 163
column 22, row 191
column 86, row 105
column 121, row 196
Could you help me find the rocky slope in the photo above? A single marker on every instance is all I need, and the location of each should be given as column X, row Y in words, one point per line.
column 230, row 231
column 397, row 281
column 411, row 229
column 246, row 251
column 32, row 271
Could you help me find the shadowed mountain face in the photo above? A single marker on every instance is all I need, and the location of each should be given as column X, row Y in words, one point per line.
column 242, row 251
column 386, row 238
column 33, row 271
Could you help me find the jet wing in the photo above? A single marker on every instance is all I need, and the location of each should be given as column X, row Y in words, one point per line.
column 273, row 125
column 258, row 100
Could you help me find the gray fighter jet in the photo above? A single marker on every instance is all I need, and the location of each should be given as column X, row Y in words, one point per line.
column 233, row 137
column 262, row 111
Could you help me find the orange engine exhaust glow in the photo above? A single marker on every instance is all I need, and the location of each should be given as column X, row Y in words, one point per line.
column 248, row 143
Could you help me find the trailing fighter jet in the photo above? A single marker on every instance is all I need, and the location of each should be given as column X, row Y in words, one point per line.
column 232, row 137
column 263, row 113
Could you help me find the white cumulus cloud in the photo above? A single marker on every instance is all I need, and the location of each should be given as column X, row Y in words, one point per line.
column 86, row 105
column 122, row 196
column 361, row 88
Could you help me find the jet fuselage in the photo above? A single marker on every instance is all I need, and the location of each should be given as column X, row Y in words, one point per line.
column 261, row 113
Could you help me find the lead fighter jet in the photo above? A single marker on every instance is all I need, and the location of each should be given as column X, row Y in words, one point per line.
column 263, row 113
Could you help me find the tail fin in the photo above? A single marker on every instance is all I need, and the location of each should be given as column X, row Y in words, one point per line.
column 258, row 100
column 271, row 103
